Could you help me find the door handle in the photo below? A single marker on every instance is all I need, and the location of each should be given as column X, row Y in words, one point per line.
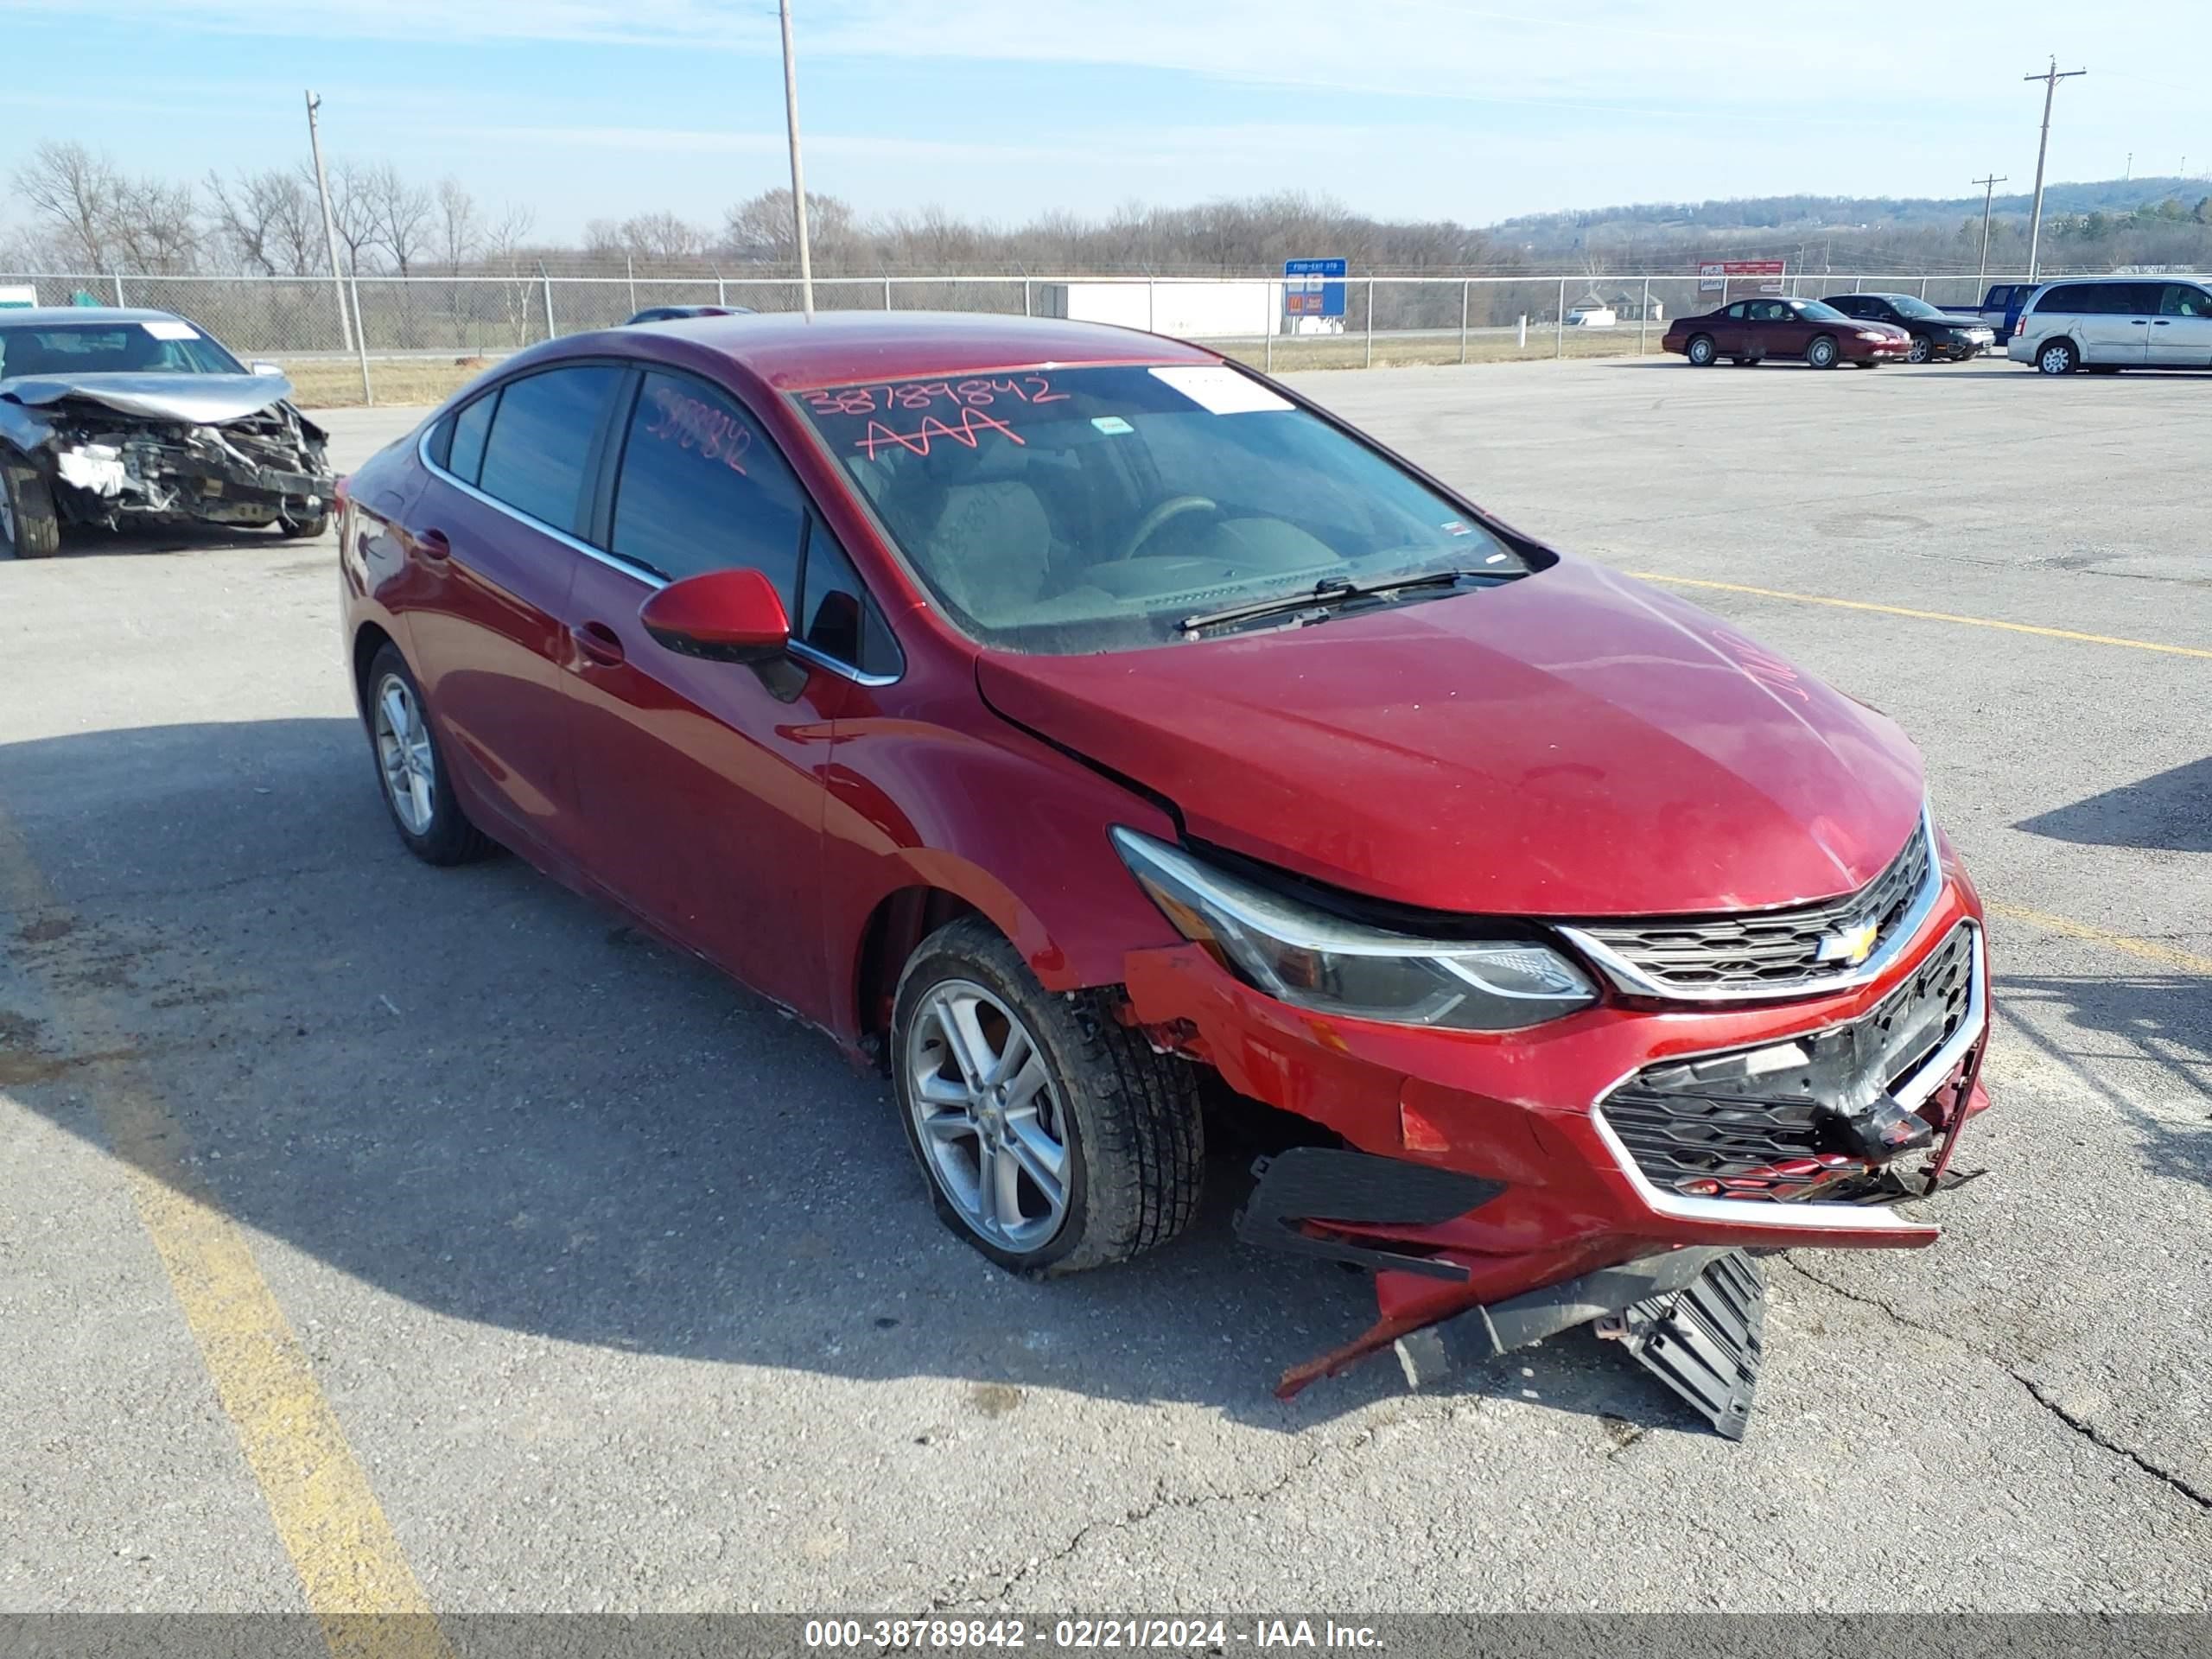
column 2138, row 322
column 433, row 544
column 599, row 643
column 2161, row 322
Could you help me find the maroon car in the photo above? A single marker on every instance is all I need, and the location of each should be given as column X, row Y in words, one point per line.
column 1750, row 330
column 1084, row 729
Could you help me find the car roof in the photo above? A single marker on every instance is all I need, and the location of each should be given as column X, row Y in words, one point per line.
column 793, row 353
column 48, row 314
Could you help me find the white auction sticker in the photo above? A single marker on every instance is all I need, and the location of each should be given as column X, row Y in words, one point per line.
column 163, row 330
column 1221, row 391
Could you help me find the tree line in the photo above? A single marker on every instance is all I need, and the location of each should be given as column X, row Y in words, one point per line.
column 74, row 209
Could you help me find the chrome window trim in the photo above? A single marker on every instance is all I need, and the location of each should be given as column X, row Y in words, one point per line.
column 1834, row 1217
column 798, row 648
column 1628, row 978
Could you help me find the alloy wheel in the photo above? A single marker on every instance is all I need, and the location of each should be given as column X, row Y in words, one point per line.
column 405, row 756
column 1921, row 352
column 990, row 1117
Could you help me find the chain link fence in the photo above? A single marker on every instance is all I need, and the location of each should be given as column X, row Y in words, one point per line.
column 420, row 337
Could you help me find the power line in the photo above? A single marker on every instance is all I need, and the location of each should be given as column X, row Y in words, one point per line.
column 2050, row 79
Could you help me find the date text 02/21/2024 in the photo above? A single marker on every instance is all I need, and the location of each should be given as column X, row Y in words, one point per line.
column 939, row 1634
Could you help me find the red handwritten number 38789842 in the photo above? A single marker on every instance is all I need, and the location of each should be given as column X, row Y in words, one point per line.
column 691, row 423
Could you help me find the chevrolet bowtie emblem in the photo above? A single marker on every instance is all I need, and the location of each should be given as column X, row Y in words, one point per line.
column 1848, row 946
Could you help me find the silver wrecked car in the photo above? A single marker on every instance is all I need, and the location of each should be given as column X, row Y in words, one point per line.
column 111, row 418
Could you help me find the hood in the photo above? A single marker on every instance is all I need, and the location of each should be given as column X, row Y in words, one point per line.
column 1953, row 319
column 1574, row 744
column 195, row 399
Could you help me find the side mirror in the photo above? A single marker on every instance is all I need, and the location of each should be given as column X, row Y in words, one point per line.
column 724, row 616
column 259, row 367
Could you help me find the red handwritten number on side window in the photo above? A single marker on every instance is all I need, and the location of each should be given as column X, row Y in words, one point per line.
column 691, row 423
column 970, row 426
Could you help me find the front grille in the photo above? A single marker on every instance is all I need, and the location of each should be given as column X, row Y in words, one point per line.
column 1760, row 953
column 1751, row 1122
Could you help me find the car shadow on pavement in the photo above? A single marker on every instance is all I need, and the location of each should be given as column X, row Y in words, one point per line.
column 86, row 543
column 2170, row 810
column 471, row 1090
column 2084, row 1024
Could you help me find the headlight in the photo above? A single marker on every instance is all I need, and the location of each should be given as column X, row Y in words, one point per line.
column 1312, row 960
column 1869, row 334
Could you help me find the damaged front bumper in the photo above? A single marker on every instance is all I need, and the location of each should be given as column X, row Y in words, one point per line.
column 107, row 468
column 1604, row 1163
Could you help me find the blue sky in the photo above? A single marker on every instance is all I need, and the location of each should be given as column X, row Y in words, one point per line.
column 1005, row 108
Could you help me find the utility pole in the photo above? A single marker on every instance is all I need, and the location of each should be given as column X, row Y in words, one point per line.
column 798, row 175
column 329, row 229
column 2129, row 173
column 1988, row 193
column 2050, row 79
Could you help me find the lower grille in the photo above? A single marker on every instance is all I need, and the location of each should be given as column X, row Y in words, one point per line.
column 1756, row 1122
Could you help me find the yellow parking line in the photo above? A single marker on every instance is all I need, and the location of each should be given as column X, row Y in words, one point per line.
column 1925, row 616
column 358, row 1583
column 2127, row 943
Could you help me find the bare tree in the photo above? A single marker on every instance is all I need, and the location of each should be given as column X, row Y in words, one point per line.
column 401, row 214
column 351, row 211
column 268, row 221
column 461, row 232
column 504, row 237
column 662, row 237
column 76, row 196
column 760, row 229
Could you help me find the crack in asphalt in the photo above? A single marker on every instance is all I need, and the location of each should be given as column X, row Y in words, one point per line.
column 1161, row 1500
column 2035, row 1390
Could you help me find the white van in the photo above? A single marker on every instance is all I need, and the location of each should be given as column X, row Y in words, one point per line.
column 2109, row 323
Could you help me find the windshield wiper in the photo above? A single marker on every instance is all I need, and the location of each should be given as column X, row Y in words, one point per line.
column 1328, row 593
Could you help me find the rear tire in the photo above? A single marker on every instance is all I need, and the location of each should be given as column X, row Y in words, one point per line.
column 2057, row 357
column 1823, row 353
column 1700, row 351
column 1104, row 1140
column 30, row 527
column 412, row 768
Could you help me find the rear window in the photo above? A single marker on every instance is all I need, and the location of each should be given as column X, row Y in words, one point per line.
column 1064, row 510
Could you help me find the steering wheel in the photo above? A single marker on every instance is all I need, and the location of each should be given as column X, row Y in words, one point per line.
column 1148, row 527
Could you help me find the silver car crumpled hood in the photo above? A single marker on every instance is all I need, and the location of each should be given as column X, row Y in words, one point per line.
column 195, row 399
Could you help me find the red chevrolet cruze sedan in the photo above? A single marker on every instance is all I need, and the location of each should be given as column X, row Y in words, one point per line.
column 1084, row 728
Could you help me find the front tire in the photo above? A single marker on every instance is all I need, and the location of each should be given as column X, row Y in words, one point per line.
column 1700, row 351
column 1921, row 352
column 411, row 769
column 1052, row 1137
column 2057, row 357
column 303, row 529
column 30, row 527
column 1823, row 353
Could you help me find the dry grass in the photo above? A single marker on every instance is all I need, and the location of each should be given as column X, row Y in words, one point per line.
column 335, row 383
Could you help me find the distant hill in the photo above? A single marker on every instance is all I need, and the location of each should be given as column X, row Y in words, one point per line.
column 1798, row 215
column 2097, row 225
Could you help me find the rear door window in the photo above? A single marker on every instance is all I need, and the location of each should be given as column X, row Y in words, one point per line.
column 541, row 437
column 702, row 487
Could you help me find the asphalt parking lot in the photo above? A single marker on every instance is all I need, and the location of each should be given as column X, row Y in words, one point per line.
column 603, row 1287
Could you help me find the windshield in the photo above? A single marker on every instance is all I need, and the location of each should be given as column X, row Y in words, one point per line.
column 1065, row 511
column 1910, row 305
column 158, row 346
column 1814, row 311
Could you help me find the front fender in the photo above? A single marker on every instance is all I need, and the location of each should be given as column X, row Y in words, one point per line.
column 999, row 820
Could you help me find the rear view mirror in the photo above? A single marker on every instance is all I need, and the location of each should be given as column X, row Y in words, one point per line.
column 724, row 616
